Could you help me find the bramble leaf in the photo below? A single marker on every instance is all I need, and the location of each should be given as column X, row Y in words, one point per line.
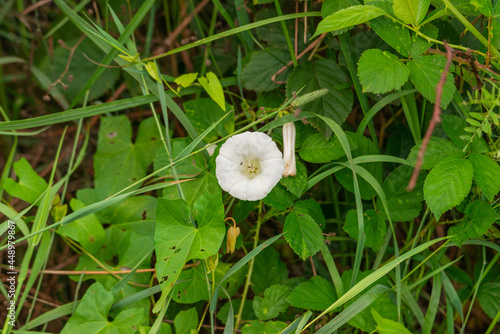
column 380, row 71
column 447, row 184
column 303, row 234
column 486, row 174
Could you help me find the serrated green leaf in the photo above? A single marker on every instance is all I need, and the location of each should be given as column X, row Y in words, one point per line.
column 257, row 73
column 419, row 44
column 318, row 150
column 312, row 208
column 488, row 296
column 298, row 183
column 29, row 185
column 316, row 294
column 454, row 127
column 403, row 205
column 87, row 230
column 365, row 320
column 437, row 149
column 486, row 174
column 268, row 269
column 177, row 240
column 273, row 303
column 186, row 321
column 364, row 147
column 375, row 228
column 348, row 17
column 91, row 315
column 479, row 216
column 485, row 7
column 257, row 327
column 312, row 76
column 393, row 34
column 423, row 8
column 425, row 74
column 406, row 11
column 388, row 326
column 279, row 198
column 212, row 86
column 380, row 71
column 447, row 184
column 302, row 234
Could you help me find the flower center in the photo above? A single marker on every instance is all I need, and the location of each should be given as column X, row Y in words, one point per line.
column 250, row 168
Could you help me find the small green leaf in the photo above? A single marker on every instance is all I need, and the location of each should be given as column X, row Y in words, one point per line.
column 489, row 298
column 437, row 149
column 186, row 321
column 257, row 73
column 454, row 126
column 186, row 80
column 268, row 269
column 257, row 327
column 365, row 320
column 212, row 86
column 316, row 294
column 312, row 208
column 479, row 217
column 486, row 174
column 393, row 34
column 425, row 74
column 380, row 71
column 91, row 315
column 447, row 184
column 302, row 234
column 29, row 185
column 403, row 206
column 279, row 198
column 388, row 326
column 423, row 8
column 298, row 183
column 318, row 150
column 419, row 44
column 375, row 228
column 316, row 75
column 87, row 230
column 273, row 303
column 406, row 11
column 348, row 17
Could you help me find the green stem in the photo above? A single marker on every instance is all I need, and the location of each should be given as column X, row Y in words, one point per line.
column 250, row 268
column 287, row 35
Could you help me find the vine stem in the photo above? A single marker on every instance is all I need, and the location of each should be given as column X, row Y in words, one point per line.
column 250, row 268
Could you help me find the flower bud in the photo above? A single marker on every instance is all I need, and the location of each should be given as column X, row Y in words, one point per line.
column 232, row 233
column 289, row 149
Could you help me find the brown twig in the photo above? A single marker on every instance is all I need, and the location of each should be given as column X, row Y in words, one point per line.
column 309, row 47
column 436, row 118
column 180, row 28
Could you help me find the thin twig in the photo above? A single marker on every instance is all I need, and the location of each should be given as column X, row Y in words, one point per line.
column 181, row 27
column 309, row 47
column 436, row 118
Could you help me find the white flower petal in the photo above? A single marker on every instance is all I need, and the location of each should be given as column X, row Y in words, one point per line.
column 249, row 165
column 239, row 190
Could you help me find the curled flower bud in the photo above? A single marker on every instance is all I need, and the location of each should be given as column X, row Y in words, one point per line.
column 232, row 233
column 289, row 149
column 249, row 165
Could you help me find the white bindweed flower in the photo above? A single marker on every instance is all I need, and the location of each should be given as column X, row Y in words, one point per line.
column 249, row 165
column 289, row 149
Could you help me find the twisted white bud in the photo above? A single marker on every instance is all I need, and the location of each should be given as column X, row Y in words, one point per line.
column 289, row 149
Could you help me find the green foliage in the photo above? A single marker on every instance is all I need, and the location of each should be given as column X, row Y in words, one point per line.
column 381, row 72
column 374, row 228
column 148, row 213
column 91, row 315
column 315, row 294
column 273, row 303
column 447, row 184
column 303, row 234
column 29, row 185
column 479, row 217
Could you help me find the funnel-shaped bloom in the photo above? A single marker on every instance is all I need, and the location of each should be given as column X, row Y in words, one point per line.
column 249, row 165
column 289, row 149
